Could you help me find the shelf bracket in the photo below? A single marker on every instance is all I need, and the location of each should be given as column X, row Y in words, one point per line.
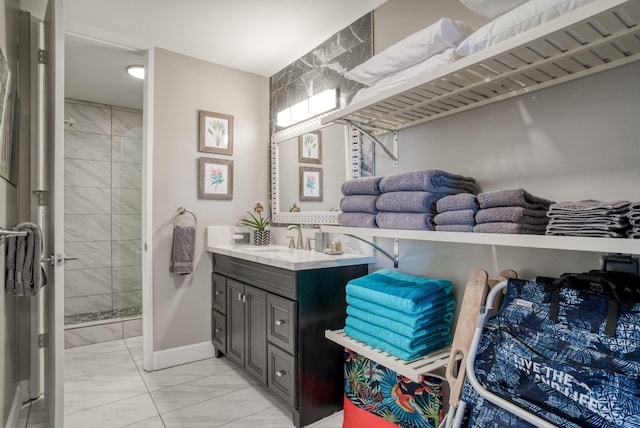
column 393, row 154
column 395, row 258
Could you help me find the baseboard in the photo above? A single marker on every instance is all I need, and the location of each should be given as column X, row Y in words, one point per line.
column 14, row 412
column 182, row 355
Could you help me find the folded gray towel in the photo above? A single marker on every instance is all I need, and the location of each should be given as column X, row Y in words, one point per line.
column 361, row 186
column 454, row 228
column 409, row 221
column 616, row 221
column 512, row 198
column 590, row 233
column 182, row 250
column 409, row 201
column 25, row 275
column 635, row 221
column 598, row 227
column 634, row 206
column 359, row 203
column 633, row 234
column 461, row 201
column 357, row 219
column 589, row 206
column 512, row 214
column 506, row 227
column 462, row 217
column 428, row 181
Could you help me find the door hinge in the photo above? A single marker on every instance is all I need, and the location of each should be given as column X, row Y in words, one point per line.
column 42, row 340
column 42, row 196
column 43, row 56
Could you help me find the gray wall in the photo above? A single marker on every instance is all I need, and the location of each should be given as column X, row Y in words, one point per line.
column 182, row 86
column 8, row 217
column 571, row 142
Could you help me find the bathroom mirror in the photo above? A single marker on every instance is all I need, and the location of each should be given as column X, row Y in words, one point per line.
column 309, row 163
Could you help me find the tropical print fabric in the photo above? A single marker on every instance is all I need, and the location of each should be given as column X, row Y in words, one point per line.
column 568, row 371
column 383, row 392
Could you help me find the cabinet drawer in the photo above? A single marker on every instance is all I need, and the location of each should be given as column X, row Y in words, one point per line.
column 281, row 322
column 282, row 374
column 219, row 331
column 219, row 293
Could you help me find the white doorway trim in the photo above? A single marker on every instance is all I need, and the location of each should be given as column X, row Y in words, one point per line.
column 106, row 37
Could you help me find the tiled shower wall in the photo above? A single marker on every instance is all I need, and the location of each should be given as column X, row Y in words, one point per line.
column 103, row 206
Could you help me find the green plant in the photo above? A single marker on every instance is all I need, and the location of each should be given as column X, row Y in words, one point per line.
column 257, row 222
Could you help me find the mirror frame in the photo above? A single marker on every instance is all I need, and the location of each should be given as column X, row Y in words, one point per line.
column 308, row 217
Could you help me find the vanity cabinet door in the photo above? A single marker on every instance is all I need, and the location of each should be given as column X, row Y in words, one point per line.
column 235, row 321
column 281, row 322
column 219, row 293
column 256, row 332
column 219, row 331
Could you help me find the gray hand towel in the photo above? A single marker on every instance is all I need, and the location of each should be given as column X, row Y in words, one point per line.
column 410, row 201
column 461, row 201
column 427, row 181
column 361, row 186
column 408, row 221
column 513, row 198
column 589, row 206
column 461, row 217
column 512, row 214
column 634, row 206
column 359, row 203
column 357, row 219
column 589, row 233
column 506, row 227
column 182, row 249
column 25, row 275
column 10, row 264
column 454, row 228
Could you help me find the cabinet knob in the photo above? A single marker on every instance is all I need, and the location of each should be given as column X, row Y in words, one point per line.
column 218, row 330
column 218, row 292
column 242, row 297
column 280, row 373
column 280, row 322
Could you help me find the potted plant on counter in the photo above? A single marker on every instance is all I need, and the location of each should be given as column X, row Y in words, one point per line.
column 261, row 235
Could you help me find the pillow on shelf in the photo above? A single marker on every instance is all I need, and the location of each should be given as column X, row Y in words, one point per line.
column 517, row 20
column 427, row 66
column 446, row 33
column 491, row 8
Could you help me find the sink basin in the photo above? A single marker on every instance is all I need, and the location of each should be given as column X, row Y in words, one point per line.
column 269, row 249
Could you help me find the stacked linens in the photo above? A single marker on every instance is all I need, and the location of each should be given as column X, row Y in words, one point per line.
column 512, row 211
column 456, row 213
column 406, row 316
column 358, row 204
column 589, row 218
column 408, row 200
column 634, row 220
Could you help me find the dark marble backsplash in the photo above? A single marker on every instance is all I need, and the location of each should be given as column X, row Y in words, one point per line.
column 323, row 68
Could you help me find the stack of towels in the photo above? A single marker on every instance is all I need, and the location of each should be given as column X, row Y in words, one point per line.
column 589, row 218
column 634, row 220
column 404, row 315
column 512, row 211
column 358, row 204
column 456, row 213
column 408, row 200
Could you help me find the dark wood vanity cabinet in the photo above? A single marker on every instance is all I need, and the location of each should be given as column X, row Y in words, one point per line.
column 274, row 329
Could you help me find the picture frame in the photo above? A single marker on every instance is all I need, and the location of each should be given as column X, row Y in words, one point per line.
column 310, row 183
column 310, row 147
column 215, row 133
column 7, row 110
column 215, row 178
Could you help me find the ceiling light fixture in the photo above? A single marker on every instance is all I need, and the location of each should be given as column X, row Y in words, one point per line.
column 136, row 71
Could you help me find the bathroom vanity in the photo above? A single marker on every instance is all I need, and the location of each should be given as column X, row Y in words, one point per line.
column 270, row 308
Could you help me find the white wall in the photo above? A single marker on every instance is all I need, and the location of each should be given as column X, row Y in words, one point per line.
column 571, row 142
column 182, row 86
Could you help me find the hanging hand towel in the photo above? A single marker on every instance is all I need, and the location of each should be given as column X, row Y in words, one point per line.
column 25, row 275
column 182, row 249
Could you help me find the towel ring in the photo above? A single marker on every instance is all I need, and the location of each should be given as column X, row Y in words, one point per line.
column 181, row 211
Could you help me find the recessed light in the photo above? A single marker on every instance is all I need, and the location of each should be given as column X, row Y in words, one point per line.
column 136, row 71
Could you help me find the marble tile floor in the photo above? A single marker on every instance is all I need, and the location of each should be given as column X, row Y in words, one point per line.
column 105, row 386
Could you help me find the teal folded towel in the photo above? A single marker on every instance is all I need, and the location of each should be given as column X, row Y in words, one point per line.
column 409, row 344
column 407, row 293
column 442, row 304
column 419, row 330
column 394, row 350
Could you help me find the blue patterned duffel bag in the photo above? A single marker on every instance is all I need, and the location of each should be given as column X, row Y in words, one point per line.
column 567, row 350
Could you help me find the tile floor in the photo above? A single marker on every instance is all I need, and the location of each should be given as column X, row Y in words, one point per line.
column 105, row 386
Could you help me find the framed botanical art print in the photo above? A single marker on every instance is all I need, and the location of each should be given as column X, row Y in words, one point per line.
column 310, row 183
column 216, row 133
column 310, row 147
column 215, row 178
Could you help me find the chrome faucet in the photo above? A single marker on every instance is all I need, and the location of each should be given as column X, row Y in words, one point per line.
column 299, row 240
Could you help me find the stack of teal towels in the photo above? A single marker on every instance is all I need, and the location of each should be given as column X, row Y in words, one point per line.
column 406, row 316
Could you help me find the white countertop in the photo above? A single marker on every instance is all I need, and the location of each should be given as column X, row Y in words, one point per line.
column 288, row 258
